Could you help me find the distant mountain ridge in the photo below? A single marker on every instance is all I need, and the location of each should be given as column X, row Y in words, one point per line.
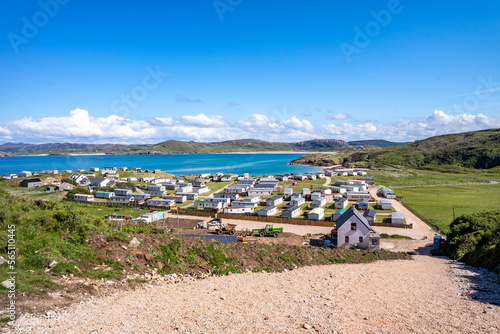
column 179, row 147
column 475, row 149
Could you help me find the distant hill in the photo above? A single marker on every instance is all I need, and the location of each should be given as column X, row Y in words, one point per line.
column 183, row 147
column 476, row 149
column 375, row 143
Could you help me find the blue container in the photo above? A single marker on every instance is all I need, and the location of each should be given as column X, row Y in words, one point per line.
column 437, row 243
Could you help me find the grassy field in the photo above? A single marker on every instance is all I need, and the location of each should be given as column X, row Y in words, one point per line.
column 436, row 203
column 395, row 178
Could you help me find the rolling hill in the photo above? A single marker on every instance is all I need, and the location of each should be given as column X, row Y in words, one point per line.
column 476, row 149
column 183, row 147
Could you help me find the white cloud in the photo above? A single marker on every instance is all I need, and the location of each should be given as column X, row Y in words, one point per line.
column 79, row 126
column 340, row 116
column 203, row 120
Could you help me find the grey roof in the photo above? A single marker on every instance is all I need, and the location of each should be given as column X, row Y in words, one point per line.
column 275, row 198
column 32, row 180
column 369, row 213
column 398, row 215
column 350, row 212
column 98, row 179
column 268, row 208
column 342, row 199
column 292, row 208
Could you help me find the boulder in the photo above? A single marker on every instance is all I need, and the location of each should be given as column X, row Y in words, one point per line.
column 134, row 243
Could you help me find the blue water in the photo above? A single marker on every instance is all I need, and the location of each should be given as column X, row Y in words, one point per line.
column 176, row 164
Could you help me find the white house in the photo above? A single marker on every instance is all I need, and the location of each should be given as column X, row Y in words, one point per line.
column 291, row 212
column 356, row 196
column 320, row 175
column 341, row 203
column 370, row 215
column 198, row 184
column 276, row 200
column 138, row 196
column 50, row 171
column 298, row 201
column 24, row 174
column 385, row 204
column 267, row 211
column 252, row 199
column 205, row 175
column 315, row 195
column 288, row 191
column 100, row 182
column 316, row 214
column 387, row 193
column 162, row 202
column 120, row 200
column 94, row 169
column 188, row 195
column 83, row 198
column 201, row 205
column 324, row 190
column 227, row 177
column 104, row 194
column 122, row 192
column 236, row 189
column 353, row 229
column 397, row 218
column 243, row 204
column 123, row 168
column 177, row 198
column 260, row 192
column 338, row 189
column 318, row 202
column 310, row 176
column 157, row 181
column 239, row 209
column 156, row 187
column 185, row 189
column 230, row 196
column 155, row 193
column 300, row 177
column 306, row 191
column 109, row 170
column 201, row 190
column 247, row 182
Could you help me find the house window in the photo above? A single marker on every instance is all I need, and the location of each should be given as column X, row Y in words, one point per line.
column 353, row 227
column 374, row 241
column 346, row 239
column 360, row 239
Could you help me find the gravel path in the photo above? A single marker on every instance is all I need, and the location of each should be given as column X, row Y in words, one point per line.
column 426, row 295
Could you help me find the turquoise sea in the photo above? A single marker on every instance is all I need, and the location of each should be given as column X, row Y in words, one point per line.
column 176, row 164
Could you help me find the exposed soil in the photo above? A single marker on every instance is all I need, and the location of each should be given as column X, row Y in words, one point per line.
column 144, row 264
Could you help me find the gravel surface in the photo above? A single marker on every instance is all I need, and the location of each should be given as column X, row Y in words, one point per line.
column 426, row 295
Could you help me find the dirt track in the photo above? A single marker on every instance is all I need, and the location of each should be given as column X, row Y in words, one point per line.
column 397, row 296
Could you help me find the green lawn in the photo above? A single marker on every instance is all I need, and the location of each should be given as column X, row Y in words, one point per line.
column 394, row 178
column 436, row 203
column 101, row 211
column 214, row 186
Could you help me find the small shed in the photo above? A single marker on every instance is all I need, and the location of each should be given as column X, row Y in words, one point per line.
column 397, row 218
column 316, row 214
column 370, row 215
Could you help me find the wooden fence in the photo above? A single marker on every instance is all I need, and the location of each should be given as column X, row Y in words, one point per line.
column 120, row 204
column 392, row 225
column 275, row 220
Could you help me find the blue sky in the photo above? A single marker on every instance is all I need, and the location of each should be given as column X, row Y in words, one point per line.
column 213, row 70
